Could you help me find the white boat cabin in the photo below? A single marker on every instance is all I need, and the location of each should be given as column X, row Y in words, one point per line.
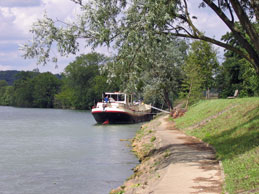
column 117, row 97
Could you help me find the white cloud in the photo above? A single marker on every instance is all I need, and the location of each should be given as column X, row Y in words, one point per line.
column 207, row 21
column 19, row 3
column 17, row 17
column 20, row 19
column 25, row 17
column 59, row 8
column 5, row 67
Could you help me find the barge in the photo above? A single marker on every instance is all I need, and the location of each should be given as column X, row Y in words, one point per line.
column 117, row 107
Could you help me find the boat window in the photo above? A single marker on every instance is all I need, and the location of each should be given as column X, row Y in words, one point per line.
column 130, row 99
column 114, row 97
column 121, row 97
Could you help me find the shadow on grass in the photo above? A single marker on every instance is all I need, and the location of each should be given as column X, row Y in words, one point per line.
column 228, row 144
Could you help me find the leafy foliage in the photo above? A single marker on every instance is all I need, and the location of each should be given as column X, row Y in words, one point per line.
column 200, row 68
column 35, row 90
column 236, row 73
column 83, row 82
column 6, row 94
column 23, row 88
column 45, row 86
column 9, row 76
column 80, row 86
column 3, row 83
column 118, row 23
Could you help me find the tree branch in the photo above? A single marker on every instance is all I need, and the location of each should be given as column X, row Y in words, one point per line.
column 253, row 55
column 182, row 28
column 231, row 12
column 189, row 21
column 77, row 2
column 216, row 42
column 246, row 24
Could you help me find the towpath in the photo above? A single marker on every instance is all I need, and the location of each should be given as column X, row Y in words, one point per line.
column 192, row 166
column 176, row 164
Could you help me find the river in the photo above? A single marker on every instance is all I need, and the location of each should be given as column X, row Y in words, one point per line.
column 52, row 151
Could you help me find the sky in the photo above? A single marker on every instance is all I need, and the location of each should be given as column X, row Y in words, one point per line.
column 17, row 17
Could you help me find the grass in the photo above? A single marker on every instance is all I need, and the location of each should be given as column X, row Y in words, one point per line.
column 147, row 147
column 117, row 192
column 235, row 136
column 136, row 185
column 142, row 132
column 153, row 138
column 167, row 153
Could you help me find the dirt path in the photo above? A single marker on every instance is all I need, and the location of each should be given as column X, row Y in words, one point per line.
column 176, row 164
column 192, row 167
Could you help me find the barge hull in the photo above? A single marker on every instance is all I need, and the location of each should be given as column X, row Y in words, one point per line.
column 120, row 117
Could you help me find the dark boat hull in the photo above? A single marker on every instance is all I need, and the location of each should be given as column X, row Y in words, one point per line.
column 120, row 117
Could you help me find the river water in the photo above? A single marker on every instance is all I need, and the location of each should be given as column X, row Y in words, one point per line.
column 49, row 151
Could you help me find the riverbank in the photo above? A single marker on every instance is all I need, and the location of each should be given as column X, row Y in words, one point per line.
column 174, row 161
column 231, row 126
column 171, row 162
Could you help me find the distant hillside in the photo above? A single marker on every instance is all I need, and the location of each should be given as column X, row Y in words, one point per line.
column 10, row 76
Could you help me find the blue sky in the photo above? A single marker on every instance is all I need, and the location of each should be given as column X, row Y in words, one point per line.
column 17, row 16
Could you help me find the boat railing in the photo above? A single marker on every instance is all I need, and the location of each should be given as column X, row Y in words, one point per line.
column 140, row 107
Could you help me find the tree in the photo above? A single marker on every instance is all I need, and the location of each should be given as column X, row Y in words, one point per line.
column 236, row 73
column 245, row 12
column 8, row 76
column 114, row 22
column 5, row 93
column 6, row 96
column 45, row 87
column 156, row 70
column 3, row 83
column 34, row 89
column 23, row 89
column 83, row 82
column 64, row 99
column 200, row 69
column 192, row 85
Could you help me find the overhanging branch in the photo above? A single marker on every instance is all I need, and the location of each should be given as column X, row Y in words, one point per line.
column 77, row 2
column 245, row 22
column 216, row 42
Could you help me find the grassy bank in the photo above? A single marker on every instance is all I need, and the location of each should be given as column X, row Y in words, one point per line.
column 231, row 126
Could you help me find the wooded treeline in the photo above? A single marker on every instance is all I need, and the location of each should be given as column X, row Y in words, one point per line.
column 78, row 87
column 178, row 71
column 9, row 76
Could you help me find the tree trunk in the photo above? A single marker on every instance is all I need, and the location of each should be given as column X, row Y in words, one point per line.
column 208, row 93
column 189, row 94
column 167, row 100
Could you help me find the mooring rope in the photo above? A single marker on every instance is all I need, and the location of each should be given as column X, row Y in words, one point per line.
column 160, row 109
